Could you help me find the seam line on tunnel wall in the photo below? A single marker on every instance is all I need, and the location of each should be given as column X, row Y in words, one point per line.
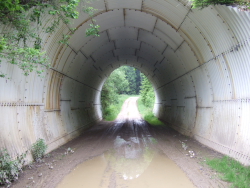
column 184, row 19
column 73, row 79
column 242, row 44
column 20, row 104
column 83, row 54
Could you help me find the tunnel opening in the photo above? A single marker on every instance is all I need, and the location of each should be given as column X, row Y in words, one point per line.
column 123, row 82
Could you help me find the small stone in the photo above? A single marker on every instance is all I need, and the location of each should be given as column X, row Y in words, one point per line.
column 51, row 167
column 39, row 175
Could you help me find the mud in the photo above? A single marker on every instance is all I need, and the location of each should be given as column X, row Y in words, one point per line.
column 101, row 172
column 125, row 153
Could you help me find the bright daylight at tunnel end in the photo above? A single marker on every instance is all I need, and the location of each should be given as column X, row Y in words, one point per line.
column 196, row 59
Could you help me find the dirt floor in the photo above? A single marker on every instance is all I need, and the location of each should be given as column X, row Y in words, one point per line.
column 126, row 138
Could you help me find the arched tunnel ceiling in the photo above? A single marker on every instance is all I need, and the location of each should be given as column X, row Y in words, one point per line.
column 197, row 60
column 154, row 36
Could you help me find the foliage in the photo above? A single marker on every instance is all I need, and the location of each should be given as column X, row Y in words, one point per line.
column 146, row 102
column 147, row 114
column 26, row 58
column 231, row 171
column 113, row 86
column 93, row 30
column 111, row 112
column 206, row 3
column 10, row 168
column 147, row 92
column 152, row 120
column 134, row 79
column 38, row 149
column 243, row 5
column 22, row 26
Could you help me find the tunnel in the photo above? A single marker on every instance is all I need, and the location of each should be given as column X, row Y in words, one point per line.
column 197, row 61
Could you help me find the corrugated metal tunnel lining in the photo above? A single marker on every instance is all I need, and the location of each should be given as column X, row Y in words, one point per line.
column 197, row 60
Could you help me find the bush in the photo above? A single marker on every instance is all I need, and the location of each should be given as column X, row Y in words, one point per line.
column 9, row 168
column 241, row 4
column 147, row 92
column 147, row 113
column 109, row 112
column 38, row 149
column 206, row 3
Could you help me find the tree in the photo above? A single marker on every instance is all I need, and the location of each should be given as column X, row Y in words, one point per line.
column 20, row 44
column 134, row 79
column 115, row 84
column 147, row 92
column 137, row 81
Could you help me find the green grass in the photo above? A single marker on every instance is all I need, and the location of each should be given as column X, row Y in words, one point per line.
column 231, row 171
column 148, row 115
column 114, row 109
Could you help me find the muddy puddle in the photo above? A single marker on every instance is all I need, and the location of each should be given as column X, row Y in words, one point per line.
column 132, row 161
column 131, row 164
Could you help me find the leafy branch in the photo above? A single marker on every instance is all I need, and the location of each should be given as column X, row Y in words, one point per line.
column 21, row 44
column 10, row 168
column 241, row 4
column 94, row 28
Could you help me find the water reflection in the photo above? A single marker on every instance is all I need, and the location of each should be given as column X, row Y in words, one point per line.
column 129, row 158
column 132, row 162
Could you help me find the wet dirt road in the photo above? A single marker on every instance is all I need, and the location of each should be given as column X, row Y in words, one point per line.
column 129, row 111
column 133, row 161
column 126, row 153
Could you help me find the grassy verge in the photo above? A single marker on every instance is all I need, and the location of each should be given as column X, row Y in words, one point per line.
column 148, row 115
column 232, row 171
column 114, row 109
